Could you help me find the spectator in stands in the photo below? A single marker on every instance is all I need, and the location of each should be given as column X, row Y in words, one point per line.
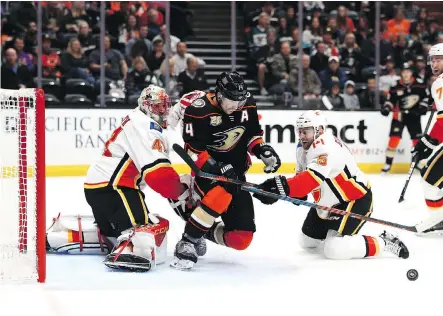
column 350, row 99
column 350, row 55
column 157, row 56
column 259, row 33
column 115, row 65
column 284, row 33
column 282, row 65
column 344, row 22
column 264, row 58
column 311, row 83
column 332, row 74
column 363, row 30
column 14, row 74
column 31, row 37
column 420, row 68
column 22, row 14
column 389, row 77
column 367, row 96
column 153, row 26
column 192, row 78
column 23, row 57
column 331, row 48
column 139, row 46
column 332, row 100
column 332, row 30
column 85, row 36
column 401, row 52
column 422, row 21
column 74, row 62
column 319, row 61
column 290, row 17
column 174, row 40
column 368, row 51
column 69, row 22
column 270, row 11
column 399, row 25
column 313, row 33
column 141, row 77
column 415, row 44
column 51, row 64
column 180, row 59
column 51, row 12
column 295, row 41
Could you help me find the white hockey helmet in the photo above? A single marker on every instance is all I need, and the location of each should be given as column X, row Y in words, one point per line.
column 312, row 118
column 155, row 102
column 436, row 50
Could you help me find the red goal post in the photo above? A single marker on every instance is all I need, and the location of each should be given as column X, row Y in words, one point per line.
column 22, row 185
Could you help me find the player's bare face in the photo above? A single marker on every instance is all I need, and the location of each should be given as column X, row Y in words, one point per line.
column 437, row 64
column 230, row 106
column 406, row 75
column 306, row 137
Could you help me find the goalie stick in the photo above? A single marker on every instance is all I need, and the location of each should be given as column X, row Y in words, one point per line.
column 414, row 163
column 250, row 187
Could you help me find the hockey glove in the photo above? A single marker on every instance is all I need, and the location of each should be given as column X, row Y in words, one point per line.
column 227, row 170
column 424, row 147
column 278, row 185
column 269, row 157
column 387, row 107
column 186, row 202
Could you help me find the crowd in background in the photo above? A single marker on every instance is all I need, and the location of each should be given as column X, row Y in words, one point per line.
column 338, row 49
column 135, row 49
column 337, row 42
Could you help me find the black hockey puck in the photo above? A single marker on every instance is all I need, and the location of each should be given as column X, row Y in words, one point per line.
column 412, row 275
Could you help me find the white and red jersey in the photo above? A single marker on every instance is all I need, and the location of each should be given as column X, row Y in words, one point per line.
column 437, row 95
column 178, row 111
column 328, row 170
column 136, row 154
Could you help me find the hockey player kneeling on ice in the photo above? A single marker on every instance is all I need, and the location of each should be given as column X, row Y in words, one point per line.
column 136, row 155
column 327, row 169
column 427, row 147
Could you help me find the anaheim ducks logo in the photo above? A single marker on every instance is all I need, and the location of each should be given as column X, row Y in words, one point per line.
column 227, row 139
column 410, row 101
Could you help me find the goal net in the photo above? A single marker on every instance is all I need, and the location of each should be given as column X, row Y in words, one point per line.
column 22, row 185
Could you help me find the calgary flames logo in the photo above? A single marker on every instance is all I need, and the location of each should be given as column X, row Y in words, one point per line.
column 228, row 139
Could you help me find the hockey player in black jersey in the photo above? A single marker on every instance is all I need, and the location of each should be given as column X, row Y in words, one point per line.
column 220, row 131
column 408, row 100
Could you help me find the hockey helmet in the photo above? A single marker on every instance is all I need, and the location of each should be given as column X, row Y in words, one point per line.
column 155, row 102
column 231, row 91
column 312, row 118
column 436, row 50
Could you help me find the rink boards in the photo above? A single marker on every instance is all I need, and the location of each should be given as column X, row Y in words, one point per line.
column 75, row 138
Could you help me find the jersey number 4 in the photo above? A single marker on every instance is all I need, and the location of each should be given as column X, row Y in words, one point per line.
column 118, row 130
column 158, row 145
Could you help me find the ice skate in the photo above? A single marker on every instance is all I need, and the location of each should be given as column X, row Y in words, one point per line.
column 386, row 169
column 185, row 255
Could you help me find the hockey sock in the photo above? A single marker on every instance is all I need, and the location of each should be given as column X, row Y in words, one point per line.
column 394, row 141
column 214, row 203
column 374, row 246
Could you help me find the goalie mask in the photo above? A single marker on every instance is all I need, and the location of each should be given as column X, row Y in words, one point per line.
column 231, row 92
column 155, row 102
column 435, row 58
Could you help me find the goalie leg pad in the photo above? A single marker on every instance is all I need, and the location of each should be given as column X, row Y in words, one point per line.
column 310, row 244
column 140, row 248
column 76, row 235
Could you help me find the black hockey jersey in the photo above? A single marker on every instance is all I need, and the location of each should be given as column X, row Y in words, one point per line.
column 409, row 99
column 226, row 138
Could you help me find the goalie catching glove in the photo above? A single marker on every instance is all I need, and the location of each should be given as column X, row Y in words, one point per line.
column 424, row 147
column 269, row 157
column 277, row 185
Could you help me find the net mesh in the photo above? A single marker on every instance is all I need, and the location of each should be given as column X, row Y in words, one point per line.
column 18, row 210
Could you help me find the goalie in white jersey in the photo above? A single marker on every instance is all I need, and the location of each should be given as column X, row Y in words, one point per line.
column 327, row 169
column 432, row 173
column 134, row 156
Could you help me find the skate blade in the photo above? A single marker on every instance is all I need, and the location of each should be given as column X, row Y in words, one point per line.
column 183, row 265
column 129, row 266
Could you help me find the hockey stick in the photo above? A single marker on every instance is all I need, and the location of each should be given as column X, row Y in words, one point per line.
column 246, row 186
column 414, row 163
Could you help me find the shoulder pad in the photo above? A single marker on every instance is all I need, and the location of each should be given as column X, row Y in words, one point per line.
column 156, row 126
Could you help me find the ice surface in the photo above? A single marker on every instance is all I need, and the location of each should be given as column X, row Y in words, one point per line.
column 272, row 276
